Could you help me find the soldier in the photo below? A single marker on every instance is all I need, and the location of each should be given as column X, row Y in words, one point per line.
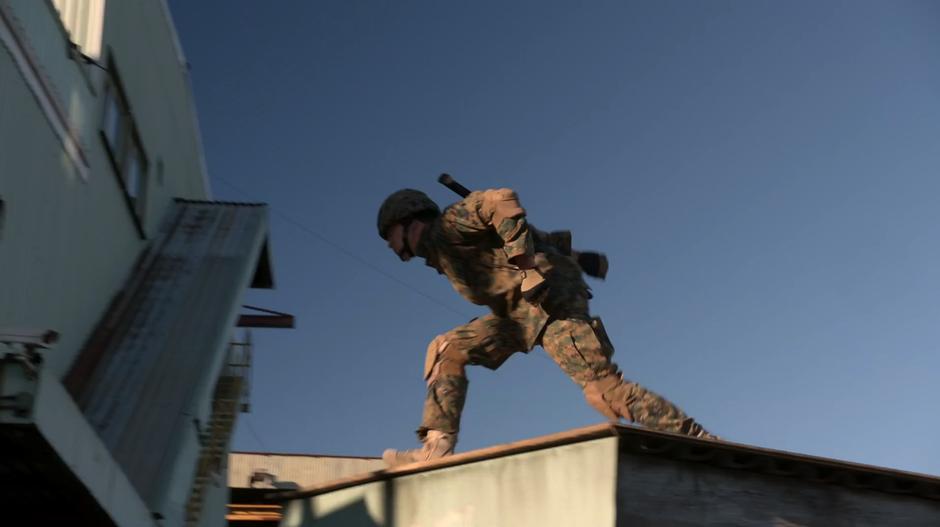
column 532, row 283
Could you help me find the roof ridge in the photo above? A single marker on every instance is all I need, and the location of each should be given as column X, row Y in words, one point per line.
column 299, row 454
column 646, row 442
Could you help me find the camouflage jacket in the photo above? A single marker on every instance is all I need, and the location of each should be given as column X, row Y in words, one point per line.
column 472, row 242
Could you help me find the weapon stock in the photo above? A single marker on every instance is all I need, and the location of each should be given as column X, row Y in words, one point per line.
column 451, row 183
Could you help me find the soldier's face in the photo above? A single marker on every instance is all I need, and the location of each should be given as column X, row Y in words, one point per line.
column 403, row 238
column 397, row 242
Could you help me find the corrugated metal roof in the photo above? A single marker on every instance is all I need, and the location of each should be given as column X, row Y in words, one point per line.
column 163, row 341
column 304, row 470
column 645, row 442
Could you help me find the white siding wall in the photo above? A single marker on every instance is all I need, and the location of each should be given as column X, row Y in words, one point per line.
column 69, row 243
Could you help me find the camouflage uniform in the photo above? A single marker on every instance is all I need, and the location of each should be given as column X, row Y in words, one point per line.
column 471, row 244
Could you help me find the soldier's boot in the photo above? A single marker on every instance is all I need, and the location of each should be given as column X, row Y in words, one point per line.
column 443, row 404
column 618, row 398
column 436, row 444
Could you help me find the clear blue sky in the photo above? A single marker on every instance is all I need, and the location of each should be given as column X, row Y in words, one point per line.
column 763, row 175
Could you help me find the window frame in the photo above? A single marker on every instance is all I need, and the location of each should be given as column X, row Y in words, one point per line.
column 120, row 137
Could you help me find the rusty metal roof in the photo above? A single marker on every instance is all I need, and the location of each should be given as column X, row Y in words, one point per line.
column 645, row 442
column 263, row 277
column 162, row 342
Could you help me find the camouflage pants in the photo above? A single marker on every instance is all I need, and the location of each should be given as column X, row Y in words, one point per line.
column 578, row 345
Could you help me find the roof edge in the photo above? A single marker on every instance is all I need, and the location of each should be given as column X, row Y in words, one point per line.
column 577, row 435
column 297, row 454
column 736, row 456
column 628, row 430
column 635, row 440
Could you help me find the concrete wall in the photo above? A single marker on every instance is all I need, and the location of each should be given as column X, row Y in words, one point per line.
column 659, row 492
column 564, row 486
column 639, row 478
column 69, row 240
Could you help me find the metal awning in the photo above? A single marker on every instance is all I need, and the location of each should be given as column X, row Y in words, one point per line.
column 151, row 363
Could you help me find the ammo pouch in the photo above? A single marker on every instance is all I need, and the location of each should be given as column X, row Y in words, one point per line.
column 591, row 262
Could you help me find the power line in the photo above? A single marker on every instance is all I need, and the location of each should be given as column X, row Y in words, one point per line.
column 323, row 239
column 251, row 429
column 354, row 256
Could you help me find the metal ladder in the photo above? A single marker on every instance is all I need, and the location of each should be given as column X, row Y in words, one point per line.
column 229, row 398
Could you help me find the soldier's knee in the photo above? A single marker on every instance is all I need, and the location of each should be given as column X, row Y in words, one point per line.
column 595, row 397
column 443, row 357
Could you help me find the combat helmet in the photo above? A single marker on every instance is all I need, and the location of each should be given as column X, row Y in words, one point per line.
column 402, row 205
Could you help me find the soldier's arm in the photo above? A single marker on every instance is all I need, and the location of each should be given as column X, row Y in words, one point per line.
column 500, row 209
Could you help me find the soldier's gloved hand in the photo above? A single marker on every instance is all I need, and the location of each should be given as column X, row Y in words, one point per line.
column 593, row 263
column 534, row 286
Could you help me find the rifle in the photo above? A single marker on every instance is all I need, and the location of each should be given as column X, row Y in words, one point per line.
column 451, row 183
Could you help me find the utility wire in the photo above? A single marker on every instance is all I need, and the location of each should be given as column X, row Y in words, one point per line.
column 257, row 437
column 323, row 239
column 354, row 256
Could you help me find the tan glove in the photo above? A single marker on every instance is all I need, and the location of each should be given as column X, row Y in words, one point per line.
column 592, row 263
column 534, row 286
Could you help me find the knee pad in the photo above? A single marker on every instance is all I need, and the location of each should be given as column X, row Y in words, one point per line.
column 431, row 358
column 442, row 350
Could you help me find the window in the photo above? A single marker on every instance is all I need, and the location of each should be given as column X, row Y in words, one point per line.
column 122, row 143
column 111, row 125
column 133, row 164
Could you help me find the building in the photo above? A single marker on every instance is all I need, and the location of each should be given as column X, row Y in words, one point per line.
column 253, row 476
column 120, row 279
column 608, row 475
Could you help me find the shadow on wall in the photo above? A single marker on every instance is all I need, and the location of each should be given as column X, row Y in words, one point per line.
column 301, row 512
